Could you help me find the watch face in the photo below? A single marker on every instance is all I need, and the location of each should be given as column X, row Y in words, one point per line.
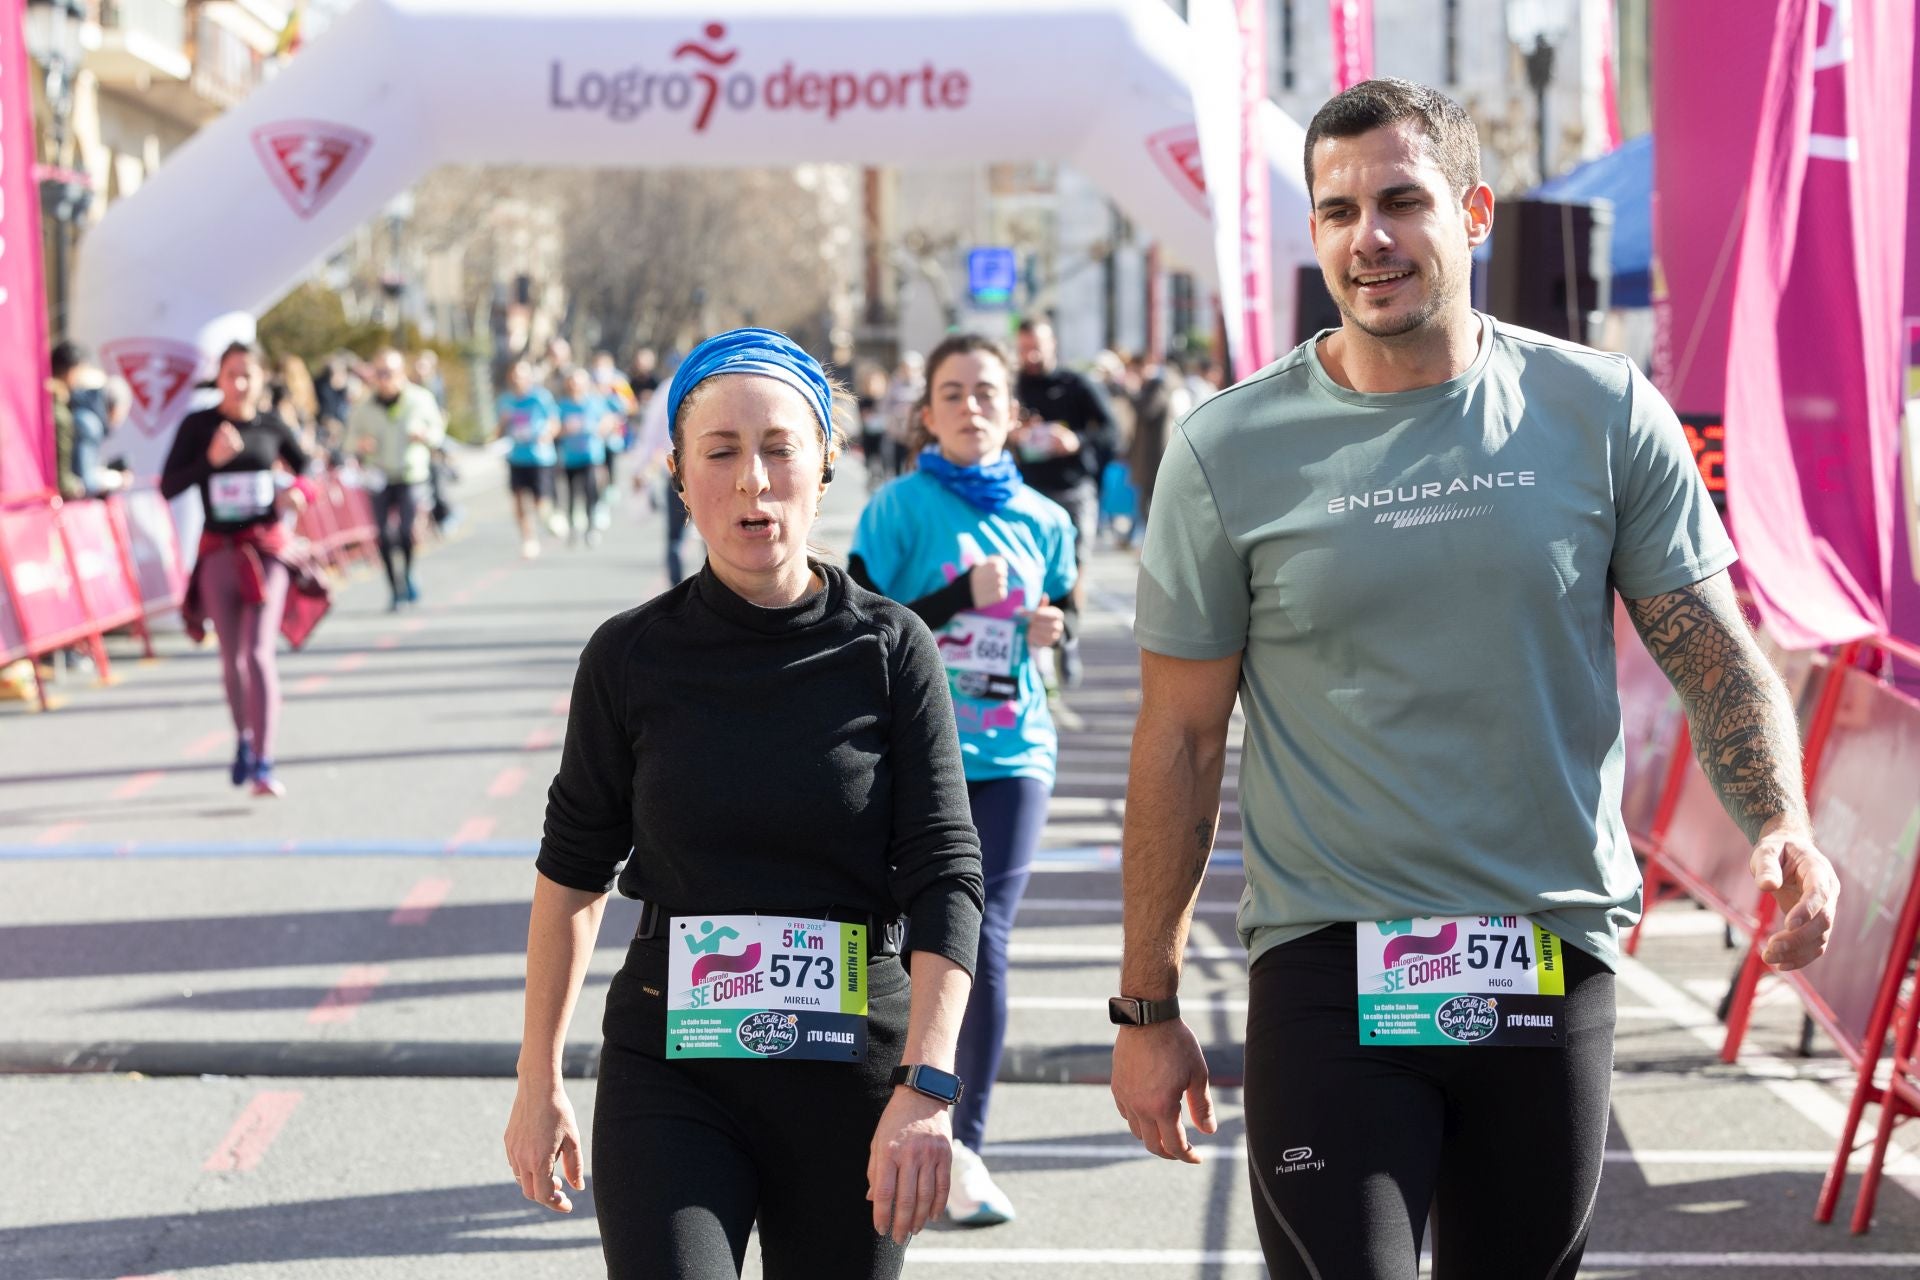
column 1123, row 1011
column 939, row 1084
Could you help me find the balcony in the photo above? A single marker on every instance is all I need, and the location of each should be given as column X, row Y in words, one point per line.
column 226, row 65
column 142, row 44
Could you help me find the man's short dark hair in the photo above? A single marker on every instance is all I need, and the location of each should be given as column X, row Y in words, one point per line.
column 1377, row 104
column 1032, row 324
column 66, row 356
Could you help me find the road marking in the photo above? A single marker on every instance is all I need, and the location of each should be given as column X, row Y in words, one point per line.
column 387, row 642
column 1106, row 857
column 57, row 832
column 541, row 739
column 247, row 1142
column 562, row 704
column 414, row 626
column 352, row 662
column 354, row 989
column 312, row 684
column 507, row 782
column 1815, row 1100
column 471, row 831
column 205, row 746
column 138, row 785
column 421, row 901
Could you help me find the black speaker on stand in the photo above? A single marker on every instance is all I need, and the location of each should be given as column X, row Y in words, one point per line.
column 1552, row 266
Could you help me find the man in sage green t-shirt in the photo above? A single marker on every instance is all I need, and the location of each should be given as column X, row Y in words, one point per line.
column 1399, row 546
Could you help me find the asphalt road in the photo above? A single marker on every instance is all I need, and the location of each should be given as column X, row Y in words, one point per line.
column 274, row 1039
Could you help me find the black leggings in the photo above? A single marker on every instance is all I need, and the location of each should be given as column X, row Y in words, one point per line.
column 583, row 485
column 1351, row 1144
column 687, row 1156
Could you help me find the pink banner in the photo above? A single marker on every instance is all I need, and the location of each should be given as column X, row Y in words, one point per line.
column 1352, row 22
column 1709, row 64
column 1812, row 380
column 26, row 436
column 1256, row 250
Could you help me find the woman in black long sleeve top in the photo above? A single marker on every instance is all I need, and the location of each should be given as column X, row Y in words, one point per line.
column 229, row 454
column 768, row 739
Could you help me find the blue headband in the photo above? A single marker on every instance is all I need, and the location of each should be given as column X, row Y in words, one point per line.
column 761, row 351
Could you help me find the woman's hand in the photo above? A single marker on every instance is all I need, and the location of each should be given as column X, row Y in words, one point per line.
column 225, row 445
column 910, row 1165
column 989, row 581
column 541, row 1130
column 1045, row 626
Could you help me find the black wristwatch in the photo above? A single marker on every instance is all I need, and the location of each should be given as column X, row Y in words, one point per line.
column 1125, row 1011
column 941, row 1086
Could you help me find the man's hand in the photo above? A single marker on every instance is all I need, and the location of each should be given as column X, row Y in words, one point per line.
column 1787, row 865
column 1152, row 1067
column 1046, row 624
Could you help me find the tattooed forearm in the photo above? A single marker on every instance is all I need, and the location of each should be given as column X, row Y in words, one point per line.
column 1203, row 841
column 1737, row 708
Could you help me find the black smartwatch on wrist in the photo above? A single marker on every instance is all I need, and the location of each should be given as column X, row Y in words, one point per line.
column 1125, row 1011
column 941, row 1086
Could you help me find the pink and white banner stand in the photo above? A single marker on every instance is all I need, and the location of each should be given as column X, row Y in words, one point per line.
column 1256, row 248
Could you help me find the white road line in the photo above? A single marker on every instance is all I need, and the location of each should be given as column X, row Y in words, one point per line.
column 1819, row 1103
column 922, row 1255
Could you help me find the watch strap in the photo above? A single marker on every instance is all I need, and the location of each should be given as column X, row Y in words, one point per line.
column 1145, row 1012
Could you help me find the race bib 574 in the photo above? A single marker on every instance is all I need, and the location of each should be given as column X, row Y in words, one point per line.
column 1466, row 981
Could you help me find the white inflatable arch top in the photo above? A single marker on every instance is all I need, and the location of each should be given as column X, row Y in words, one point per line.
column 397, row 87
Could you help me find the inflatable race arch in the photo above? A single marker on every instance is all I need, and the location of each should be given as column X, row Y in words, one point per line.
column 397, row 87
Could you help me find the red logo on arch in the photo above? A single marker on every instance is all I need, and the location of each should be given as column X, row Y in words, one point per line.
column 310, row 160
column 160, row 372
column 1177, row 152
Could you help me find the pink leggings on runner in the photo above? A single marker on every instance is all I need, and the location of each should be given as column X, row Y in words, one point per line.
column 248, row 634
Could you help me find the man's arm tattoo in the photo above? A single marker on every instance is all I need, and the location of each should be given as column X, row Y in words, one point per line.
column 1202, row 843
column 1743, row 726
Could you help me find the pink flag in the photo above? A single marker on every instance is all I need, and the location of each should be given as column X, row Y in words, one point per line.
column 1812, row 379
column 1256, row 252
column 1352, row 42
column 1609, row 78
column 26, row 439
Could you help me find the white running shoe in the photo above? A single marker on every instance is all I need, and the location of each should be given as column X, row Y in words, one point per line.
column 975, row 1201
column 558, row 524
column 530, row 549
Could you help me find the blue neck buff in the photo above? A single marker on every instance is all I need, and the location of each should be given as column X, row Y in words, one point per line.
column 988, row 485
column 761, row 351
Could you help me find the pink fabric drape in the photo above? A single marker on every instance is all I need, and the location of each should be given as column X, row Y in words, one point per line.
column 26, row 437
column 1812, row 374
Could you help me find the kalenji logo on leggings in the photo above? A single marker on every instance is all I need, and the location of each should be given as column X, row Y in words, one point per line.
column 1299, row 1160
column 310, row 160
column 705, row 80
column 160, row 374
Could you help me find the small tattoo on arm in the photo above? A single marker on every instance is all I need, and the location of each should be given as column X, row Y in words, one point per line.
column 1743, row 728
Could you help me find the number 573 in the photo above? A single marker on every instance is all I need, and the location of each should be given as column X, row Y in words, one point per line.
column 792, row 971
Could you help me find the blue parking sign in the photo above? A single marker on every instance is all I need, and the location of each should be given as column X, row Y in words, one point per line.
column 992, row 273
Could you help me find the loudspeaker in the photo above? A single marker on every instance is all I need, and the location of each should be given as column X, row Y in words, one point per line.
column 1551, row 267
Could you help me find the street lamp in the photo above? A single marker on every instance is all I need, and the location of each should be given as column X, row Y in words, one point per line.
column 1536, row 27
column 53, row 31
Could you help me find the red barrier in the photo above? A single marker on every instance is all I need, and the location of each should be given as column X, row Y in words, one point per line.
column 100, row 570
column 48, row 608
column 144, row 523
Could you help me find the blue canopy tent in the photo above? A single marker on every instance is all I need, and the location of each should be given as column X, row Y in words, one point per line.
column 1624, row 178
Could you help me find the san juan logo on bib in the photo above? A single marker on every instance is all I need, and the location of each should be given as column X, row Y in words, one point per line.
column 1471, row 980
column 309, row 161
column 768, row 1033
